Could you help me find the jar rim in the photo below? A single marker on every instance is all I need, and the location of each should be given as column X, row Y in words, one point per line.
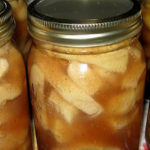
column 85, row 32
column 7, row 24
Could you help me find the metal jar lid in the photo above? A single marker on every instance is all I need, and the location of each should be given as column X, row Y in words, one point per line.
column 84, row 23
column 7, row 24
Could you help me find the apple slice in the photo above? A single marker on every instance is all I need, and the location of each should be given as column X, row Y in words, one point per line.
column 3, row 66
column 115, row 61
column 69, row 91
column 8, row 92
column 121, row 122
column 67, row 110
column 60, row 132
column 131, row 78
column 85, row 77
column 122, row 103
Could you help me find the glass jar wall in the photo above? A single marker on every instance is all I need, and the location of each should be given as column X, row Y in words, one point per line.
column 87, row 74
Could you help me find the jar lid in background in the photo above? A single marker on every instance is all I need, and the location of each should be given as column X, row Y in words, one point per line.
column 7, row 24
column 83, row 23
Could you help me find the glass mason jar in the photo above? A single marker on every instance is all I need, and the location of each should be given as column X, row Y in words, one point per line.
column 87, row 74
column 14, row 112
column 19, row 8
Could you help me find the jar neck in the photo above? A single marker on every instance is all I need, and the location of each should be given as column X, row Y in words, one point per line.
column 84, row 50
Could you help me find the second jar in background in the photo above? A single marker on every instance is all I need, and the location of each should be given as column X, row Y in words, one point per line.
column 19, row 9
column 15, row 132
column 87, row 74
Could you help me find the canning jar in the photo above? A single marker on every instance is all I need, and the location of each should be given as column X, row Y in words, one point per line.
column 87, row 71
column 19, row 8
column 14, row 113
